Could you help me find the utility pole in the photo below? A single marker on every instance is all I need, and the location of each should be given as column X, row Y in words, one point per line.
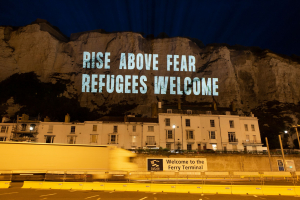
column 269, row 154
column 282, row 152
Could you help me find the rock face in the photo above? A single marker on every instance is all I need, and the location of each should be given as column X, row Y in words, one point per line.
column 246, row 77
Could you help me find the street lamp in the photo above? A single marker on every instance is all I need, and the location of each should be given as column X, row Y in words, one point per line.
column 285, row 132
column 174, row 135
column 296, row 126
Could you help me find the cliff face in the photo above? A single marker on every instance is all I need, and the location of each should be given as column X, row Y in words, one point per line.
column 248, row 78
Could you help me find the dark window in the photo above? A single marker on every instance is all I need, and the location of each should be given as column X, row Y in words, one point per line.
column 72, row 129
column 167, row 121
column 212, row 123
column 187, row 122
column 115, row 129
column 94, row 127
column 169, row 134
column 189, row 147
column 231, row 123
column 212, row 135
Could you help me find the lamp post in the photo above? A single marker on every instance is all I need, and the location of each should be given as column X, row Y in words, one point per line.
column 174, row 135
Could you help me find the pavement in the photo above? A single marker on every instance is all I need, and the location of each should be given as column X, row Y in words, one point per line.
column 15, row 192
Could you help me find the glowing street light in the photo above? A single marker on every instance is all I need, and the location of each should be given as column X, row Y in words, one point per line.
column 285, row 132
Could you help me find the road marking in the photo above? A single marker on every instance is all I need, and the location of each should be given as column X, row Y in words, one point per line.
column 143, row 198
column 91, row 197
column 154, row 193
column 9, row 193
column 98, row 198
column 47, row 195
column 112, row 192
column 254, row 195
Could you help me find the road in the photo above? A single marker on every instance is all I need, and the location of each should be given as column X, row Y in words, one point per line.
column 16, row 193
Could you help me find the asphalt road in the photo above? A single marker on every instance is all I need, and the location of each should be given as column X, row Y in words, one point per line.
column 16, row 193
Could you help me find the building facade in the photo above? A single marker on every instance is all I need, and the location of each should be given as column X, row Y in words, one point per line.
column 187, row 130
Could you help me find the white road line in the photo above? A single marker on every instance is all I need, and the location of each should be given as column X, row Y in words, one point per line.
column 254, row 195
column 47, row 195
column 9, row 193
column 143, row 198
column 91, row 197
column 98, row 198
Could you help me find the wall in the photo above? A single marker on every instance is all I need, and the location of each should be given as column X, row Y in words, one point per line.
column 229, row 162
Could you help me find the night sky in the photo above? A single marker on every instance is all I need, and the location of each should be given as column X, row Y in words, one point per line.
column 268, row 24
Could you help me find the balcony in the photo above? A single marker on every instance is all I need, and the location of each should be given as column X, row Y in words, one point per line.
column 150, row 143
column 23, row 139
column 233, row 140
column 212, row 141
column 252, row 142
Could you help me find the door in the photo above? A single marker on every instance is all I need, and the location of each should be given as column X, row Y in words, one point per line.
column 199, row 147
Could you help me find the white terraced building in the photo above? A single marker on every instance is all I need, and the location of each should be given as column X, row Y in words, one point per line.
column 170, row 128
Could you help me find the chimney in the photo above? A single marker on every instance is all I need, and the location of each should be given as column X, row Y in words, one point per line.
column 159, row 104
column 154, row 110
column 67, row 118
column 47, row 119
column 215, row 105
column 233, row 106
column 179, row 104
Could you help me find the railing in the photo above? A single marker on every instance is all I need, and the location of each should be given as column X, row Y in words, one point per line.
column 251, row 141
column 148, row 143
column 233, row 140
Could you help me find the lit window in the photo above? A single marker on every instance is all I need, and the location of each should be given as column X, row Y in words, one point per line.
column 246, row 127
column 167, row 121
column 94, row 127
column 133, row 128
column 212, row 123
column 94, row 138
column 214, row 147
column 231, row 123
column 150, row 128
column 252, row 127
column 32, row 127
column 187, row 122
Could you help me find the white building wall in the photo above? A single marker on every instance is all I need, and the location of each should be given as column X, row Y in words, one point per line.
column 144, row 137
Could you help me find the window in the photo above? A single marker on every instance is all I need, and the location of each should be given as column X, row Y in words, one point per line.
column 231, row 137
column 167, row 121
column 254, row 138
column 115, row 129
column 246, row 127
column 150, row 140
column 252, row 127
column 247, row 138
column 113, row 139
column 2, row 138
column 94, row 138
column 214, row 147
column 94, row 127
column 212, row 135
column 3, row 129
column 169, row 134
column 231, row 123
column 133, row 128
column 150, row 128
column 169, row 110
column 168, row 146
column 71, row 139
column 189, row 112
column 187, row 122
column 50, row 139
column 189, row 147
column 23, row 127
column 50, row 129
column 234, row 147
column 72, row 129
column 32, row 127
column 212, row 123
column 189, row 135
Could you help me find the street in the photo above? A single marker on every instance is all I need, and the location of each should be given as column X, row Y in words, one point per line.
column 16, row 193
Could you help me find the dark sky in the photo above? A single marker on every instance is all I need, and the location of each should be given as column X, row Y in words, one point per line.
column 270, row 24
